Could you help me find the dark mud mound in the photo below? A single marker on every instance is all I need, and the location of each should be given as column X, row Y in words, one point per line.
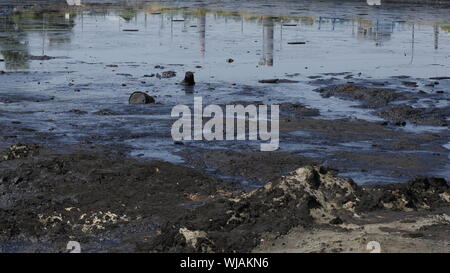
column 371, row 97
column 96, row 198
column 419, row 116
column 307, row 197
column 252, row 166
column 59, row 197
column 416, row 194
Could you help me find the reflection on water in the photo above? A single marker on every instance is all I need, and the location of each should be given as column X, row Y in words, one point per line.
column 202, row 31
column 374, row 2
column 267, row 51
column 19, row 26
column 53, row 27
column 379, row 31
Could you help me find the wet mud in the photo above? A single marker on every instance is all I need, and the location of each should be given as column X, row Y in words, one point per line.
column 87, row 155
column 111, row 203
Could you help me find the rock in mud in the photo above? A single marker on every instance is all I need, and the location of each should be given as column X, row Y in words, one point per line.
column 420, row 116
column 188, row 79
column 140, row 98
column 371, row 97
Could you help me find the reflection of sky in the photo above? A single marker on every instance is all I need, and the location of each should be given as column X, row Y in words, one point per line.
column 374, row 42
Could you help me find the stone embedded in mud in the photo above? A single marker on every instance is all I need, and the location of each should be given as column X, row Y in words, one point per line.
column 140, row 98
column 188, row 79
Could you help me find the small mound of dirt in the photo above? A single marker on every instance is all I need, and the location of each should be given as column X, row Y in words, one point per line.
column 56, row 197
column 307, row 197
column 416, row 194
column 420, row 116
column 371, row 97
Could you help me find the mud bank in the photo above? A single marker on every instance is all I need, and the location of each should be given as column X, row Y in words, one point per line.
column 111, row 203
column 388, row 103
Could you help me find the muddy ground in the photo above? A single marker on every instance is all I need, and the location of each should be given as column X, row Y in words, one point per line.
column 364, row 154
column 111, row 203
column 237, row 199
